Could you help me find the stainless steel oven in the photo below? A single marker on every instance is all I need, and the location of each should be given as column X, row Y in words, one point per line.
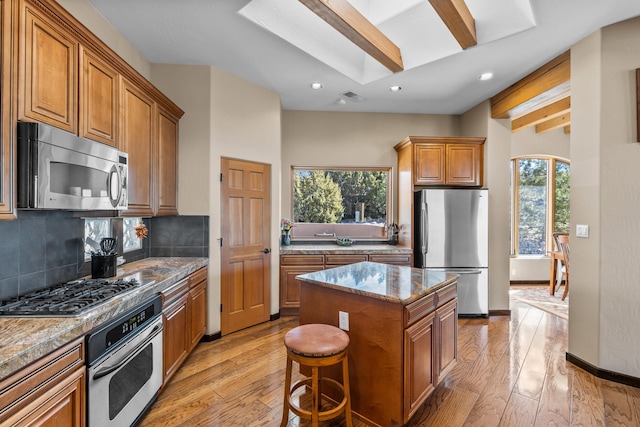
column 125, row 366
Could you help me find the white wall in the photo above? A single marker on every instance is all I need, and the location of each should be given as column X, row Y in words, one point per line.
column 605, row 187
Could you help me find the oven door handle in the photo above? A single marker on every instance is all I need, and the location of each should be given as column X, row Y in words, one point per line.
column 109, row 369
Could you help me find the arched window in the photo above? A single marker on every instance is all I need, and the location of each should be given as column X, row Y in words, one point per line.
column 540, row 203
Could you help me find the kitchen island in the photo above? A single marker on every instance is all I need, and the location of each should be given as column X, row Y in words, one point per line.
column 402, row 323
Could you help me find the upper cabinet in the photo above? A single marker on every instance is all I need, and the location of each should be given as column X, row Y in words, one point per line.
column 442, row 161
column 48, row 71
column 7, row 111
column 70, row 79
column 98, row 99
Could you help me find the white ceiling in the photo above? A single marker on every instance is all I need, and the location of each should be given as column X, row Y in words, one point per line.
column 247, row 38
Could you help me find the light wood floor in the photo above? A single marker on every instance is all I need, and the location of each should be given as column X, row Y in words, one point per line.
column 511, row 372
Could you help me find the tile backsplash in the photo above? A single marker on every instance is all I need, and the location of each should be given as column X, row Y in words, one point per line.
column 43, row 248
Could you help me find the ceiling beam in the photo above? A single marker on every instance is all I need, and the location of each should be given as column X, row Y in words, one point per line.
column 545, row 80
column 354, row 26
column 542, row 114
column 456, row 16
column 555, row 123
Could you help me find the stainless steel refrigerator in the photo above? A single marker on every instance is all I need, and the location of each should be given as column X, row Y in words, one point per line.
column 451, row 234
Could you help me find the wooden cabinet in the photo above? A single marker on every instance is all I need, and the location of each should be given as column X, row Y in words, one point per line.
column 137, row 127
column 7, row 111
column 166, row 178
column 98, row 99
column 443, row 161
column 411, row 348
column 49, row 392
column 184, row 316
column 294, row 265
column 48, row 71
column 419, row 371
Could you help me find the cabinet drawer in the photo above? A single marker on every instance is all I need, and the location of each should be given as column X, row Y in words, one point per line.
column 403, row 259
column 447, row 293
column 197, row 277
column 301, row 259
column 344, row 259
column 170, row 294
column 417, row 310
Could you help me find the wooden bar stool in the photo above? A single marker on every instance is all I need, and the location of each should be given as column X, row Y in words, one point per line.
column 316, row 345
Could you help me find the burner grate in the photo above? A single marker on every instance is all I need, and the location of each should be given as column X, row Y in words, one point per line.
column 66, row 299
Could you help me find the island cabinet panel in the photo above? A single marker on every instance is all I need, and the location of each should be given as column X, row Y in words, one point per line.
column 49, row 392
column 48, row 70
column 446, row 326
column 419, row 364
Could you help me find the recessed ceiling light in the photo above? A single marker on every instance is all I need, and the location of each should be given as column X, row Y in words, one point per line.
column 485, row 76
column 341, row 101
column 316, row 86
column 395, row 88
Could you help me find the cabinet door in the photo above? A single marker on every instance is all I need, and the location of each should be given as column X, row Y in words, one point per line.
column 176, row 340
column 62, row 405
column 48, row 86
column 464, row 164
column 419, row 383
column 197, row 313
column 290, row 287
column 167, row 163
column 6, row 112
column 447, row 327
column 137, row 126
column 429, row 164
column 98, row 99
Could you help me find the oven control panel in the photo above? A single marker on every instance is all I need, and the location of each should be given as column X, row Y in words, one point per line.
column 107, row 337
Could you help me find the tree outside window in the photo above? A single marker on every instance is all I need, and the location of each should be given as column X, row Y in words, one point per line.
column 541, row 199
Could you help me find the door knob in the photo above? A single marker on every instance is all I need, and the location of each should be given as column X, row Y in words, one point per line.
column 266, row 250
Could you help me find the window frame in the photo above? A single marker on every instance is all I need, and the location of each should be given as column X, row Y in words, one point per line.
column 550, row 201
column 389, row 199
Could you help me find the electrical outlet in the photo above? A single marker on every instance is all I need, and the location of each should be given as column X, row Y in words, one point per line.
column 343, row 320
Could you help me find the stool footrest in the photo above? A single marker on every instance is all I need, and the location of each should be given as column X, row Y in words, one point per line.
column 322, row 415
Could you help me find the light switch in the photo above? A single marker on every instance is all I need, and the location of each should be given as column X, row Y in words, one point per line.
column 582, row 230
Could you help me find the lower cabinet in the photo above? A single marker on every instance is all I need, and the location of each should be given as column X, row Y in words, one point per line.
column 50, row 392
column 293, row 265
column 184, row 316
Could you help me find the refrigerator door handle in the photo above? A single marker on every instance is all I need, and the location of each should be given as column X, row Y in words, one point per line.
column 424, row 236
column 458, row 270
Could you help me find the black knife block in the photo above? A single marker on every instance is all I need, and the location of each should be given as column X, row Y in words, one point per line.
column 103, row 266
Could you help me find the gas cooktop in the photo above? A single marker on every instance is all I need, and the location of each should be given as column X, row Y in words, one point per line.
column 67, row 299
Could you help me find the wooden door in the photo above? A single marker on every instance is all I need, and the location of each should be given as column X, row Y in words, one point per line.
column 246, row 237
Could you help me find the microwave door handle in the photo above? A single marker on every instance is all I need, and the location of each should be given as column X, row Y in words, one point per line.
column 114, row 173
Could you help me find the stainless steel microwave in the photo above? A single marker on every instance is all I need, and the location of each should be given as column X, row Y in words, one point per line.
column 59, row 170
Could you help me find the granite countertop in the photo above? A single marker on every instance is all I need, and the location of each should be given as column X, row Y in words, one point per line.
column 334, row 249
column 25, row 339
column 393, row 283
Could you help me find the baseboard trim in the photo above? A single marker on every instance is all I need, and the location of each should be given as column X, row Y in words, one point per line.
column 211, row 337
column 603, row 373
column 500, row 313
column 274, row 316
column 529, row 282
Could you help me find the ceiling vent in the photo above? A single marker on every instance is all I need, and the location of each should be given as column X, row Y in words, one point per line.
column 354, row 97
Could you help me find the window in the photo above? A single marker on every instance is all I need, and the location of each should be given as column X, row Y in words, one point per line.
column 98, row 228
column 340, row 202
column 540, row 203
